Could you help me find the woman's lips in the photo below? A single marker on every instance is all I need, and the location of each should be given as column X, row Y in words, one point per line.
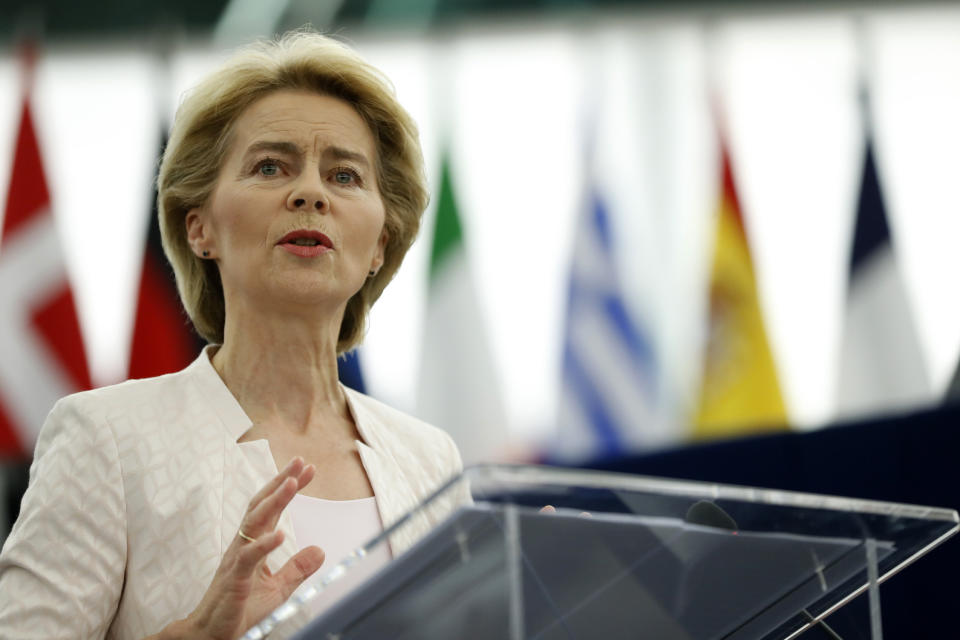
column 305, row 251
column 305, row 243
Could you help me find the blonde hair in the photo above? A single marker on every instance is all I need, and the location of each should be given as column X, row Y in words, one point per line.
column 201, row 136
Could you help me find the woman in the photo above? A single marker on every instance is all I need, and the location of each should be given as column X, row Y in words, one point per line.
column 290, row 190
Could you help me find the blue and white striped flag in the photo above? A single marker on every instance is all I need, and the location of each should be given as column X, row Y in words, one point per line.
column 609, row 389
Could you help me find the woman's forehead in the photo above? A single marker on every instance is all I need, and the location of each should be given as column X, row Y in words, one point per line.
column 306, row 122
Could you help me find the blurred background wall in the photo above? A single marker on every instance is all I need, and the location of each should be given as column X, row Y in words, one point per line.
column 533, row 108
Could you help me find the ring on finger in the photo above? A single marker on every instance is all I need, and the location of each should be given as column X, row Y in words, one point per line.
column 245, row 536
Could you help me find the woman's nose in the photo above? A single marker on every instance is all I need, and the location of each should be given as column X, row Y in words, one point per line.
column 307, row 195
column 299, row 203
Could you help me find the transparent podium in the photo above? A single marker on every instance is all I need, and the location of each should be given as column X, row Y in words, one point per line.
column 618, row 556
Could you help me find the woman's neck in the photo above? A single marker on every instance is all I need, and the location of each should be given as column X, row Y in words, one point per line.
column 283, row 370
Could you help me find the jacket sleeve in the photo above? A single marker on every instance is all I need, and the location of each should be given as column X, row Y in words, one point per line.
column 62, row 567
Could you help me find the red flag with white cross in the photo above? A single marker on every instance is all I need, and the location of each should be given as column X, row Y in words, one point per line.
column 41, row 349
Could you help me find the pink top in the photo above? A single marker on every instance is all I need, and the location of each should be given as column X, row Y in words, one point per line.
column 338, row 527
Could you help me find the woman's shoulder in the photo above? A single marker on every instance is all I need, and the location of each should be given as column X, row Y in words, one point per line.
column 130, row 394
column 186, row 398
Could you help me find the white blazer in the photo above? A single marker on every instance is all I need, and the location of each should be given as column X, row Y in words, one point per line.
column 137, row 489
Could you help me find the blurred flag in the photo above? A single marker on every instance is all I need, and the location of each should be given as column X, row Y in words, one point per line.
column 458, row 388
column 42, row 349
column 740, row 391
column 881, row 366
column 608, row 394
column 349, row 372
column 953, row 389
column 163, row 338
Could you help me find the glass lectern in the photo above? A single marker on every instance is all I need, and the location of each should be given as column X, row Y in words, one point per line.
column 523, row 552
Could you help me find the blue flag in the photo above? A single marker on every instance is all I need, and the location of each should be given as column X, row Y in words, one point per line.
column 609, row 391
column 348, row 370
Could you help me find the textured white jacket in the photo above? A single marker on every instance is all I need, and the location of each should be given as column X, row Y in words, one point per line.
column 136, row 490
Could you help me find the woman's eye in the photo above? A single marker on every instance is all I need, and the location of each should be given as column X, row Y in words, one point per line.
column 344, row 176
column 269, row 168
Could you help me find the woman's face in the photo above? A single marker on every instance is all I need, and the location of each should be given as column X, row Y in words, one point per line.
column 295, row 219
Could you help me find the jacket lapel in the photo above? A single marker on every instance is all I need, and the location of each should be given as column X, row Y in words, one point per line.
column 248, row 466
column 393, row 490
column 258, row 468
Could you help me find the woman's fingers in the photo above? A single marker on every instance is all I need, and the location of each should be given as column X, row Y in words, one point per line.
column 263, row 516
column 298, row 568
column 251, row 554
column 243, row 573
column 294, row 467
column 305, row 476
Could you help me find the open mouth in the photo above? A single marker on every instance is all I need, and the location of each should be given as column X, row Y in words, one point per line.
column 306, row 238
column 305, row 243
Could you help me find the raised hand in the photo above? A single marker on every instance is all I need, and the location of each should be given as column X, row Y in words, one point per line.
column 244, row 590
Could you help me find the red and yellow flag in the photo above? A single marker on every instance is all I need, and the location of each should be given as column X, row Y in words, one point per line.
column 740, row 392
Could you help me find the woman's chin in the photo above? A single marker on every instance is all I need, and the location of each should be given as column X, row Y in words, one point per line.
column 310, row 293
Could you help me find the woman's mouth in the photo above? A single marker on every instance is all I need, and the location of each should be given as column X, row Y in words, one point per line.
column 305, row 243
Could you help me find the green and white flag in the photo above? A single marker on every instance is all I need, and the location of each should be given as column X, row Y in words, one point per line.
column 457, row 387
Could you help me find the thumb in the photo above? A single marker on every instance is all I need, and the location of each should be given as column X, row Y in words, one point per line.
column 298, row 568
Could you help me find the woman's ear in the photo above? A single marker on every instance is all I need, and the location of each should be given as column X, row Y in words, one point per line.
column 198, row 233
column 379, row 255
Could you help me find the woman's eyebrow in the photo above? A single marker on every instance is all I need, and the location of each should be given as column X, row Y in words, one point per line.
column 340, row 153
column 279, row 146
column 290, row 148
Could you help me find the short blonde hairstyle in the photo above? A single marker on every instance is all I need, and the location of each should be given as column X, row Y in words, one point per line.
column 201, row 137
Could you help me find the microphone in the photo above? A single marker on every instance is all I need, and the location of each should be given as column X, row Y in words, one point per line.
column 706, row 513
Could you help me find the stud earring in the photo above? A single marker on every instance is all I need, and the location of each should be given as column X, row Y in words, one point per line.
column 206, row 254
